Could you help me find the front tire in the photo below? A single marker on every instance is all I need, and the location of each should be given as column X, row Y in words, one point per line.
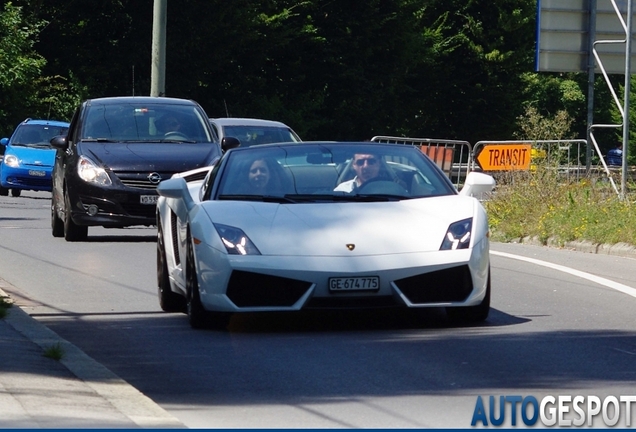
column 169, row 301
column 72, row 231
column 16, row 192
column 472, row 314
column 4, row 191
column 197, row 316
column 57, row 224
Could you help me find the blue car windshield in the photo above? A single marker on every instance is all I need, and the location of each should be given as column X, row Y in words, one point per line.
column 36, row 135
column 330, row 172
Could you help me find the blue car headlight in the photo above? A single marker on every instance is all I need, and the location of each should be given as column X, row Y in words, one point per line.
column 236, row 242
column 458, row 235
column 11, row 161
column 91, row 173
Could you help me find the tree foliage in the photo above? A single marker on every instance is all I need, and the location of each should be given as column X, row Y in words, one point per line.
column 454, row 69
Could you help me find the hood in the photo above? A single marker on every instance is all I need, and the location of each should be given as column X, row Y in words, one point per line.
column 44, row 157
column 325, row 229
column 166, row 157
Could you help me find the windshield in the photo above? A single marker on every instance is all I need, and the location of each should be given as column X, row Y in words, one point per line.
column 136, row 122
column 37, row 135
column 254, row 135
column 330, row 172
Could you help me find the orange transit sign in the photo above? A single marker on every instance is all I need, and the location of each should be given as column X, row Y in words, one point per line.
column 504, row 157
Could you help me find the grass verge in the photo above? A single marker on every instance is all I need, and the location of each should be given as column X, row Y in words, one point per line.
column 55, row 352
column 543, row 205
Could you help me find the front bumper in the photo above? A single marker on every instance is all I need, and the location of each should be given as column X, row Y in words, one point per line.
column 37, row 178
column 114, row 207
column 260, row 283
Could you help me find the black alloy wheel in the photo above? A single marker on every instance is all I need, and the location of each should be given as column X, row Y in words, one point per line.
column 72, row 231
column 197, row 315
column 57, row 224
column 169, row 301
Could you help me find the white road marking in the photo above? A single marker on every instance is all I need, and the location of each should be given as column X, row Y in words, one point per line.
column 597, row 279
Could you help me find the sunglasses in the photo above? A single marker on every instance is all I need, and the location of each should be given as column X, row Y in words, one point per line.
column 369, row 161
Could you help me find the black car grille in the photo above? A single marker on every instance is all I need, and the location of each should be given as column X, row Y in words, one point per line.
column 140, row 180
column 140, row 210
column 247, row 289
column 32, row 181
column 449, row 285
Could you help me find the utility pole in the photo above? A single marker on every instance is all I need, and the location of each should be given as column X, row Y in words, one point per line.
column 628, row 79
column 158, row 70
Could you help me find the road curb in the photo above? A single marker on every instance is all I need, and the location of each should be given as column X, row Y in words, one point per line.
column 129, row 401
column 619, row 249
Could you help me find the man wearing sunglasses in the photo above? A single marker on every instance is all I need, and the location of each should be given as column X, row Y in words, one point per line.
column 366, row 167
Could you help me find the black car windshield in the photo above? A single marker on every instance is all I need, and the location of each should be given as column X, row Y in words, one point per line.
column 137, row 122
column 329, row 172
column 254, row 135
column 37, row 135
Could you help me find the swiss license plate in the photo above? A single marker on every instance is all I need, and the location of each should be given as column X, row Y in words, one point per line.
column 148, row 199
column 36, row 173
column 360, row 283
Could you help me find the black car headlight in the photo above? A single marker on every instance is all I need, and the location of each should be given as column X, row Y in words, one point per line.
column 90, row 172
column 458, row 235
column 236, row 242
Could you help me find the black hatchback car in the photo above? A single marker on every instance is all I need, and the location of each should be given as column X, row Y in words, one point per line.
column 116, row 152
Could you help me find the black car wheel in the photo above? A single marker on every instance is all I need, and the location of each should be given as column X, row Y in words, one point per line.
column 472, row 314
column 57, row 224
column 169, row 301
column 72, row 231
column 197, row 315
column 4, row 191
column 16, row 192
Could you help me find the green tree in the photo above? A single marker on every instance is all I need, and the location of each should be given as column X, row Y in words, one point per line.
column 24, row 90
column 20, row 67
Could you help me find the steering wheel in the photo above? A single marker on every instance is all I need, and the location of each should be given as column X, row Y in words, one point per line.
column 176, row 136
column 382, row 186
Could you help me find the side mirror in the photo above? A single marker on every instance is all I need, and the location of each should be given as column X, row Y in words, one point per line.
column 477, row 183
column 228, row 143
column 59, row 142
column 4, row 141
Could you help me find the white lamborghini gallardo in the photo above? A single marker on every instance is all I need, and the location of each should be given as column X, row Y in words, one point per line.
column 286, row 227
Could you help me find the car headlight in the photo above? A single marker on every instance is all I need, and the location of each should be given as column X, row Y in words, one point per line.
column 236, row 241
column 91, row 173
column 11, row 161
column 458, row 235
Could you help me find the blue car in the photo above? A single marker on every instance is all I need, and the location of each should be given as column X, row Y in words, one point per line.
column 28, row 156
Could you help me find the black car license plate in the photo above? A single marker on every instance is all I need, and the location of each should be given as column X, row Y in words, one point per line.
column 358, row 283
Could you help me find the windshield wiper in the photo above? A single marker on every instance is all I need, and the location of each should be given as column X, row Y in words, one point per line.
column 104, row 140
column 176, row 141
column 263, row 198
column 344, row 197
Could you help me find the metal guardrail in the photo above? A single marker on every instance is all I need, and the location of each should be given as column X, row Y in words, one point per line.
column 452, row 156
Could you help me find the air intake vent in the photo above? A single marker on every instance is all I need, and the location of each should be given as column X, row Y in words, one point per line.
column 248, row 289
column 449, row 285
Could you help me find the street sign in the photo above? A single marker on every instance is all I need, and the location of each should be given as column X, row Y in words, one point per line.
column 504, row 157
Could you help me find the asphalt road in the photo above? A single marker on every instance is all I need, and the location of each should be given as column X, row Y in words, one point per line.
column 561, row 324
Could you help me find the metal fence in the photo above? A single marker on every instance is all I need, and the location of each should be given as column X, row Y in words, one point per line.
column 457, row 158
column 452, row 156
